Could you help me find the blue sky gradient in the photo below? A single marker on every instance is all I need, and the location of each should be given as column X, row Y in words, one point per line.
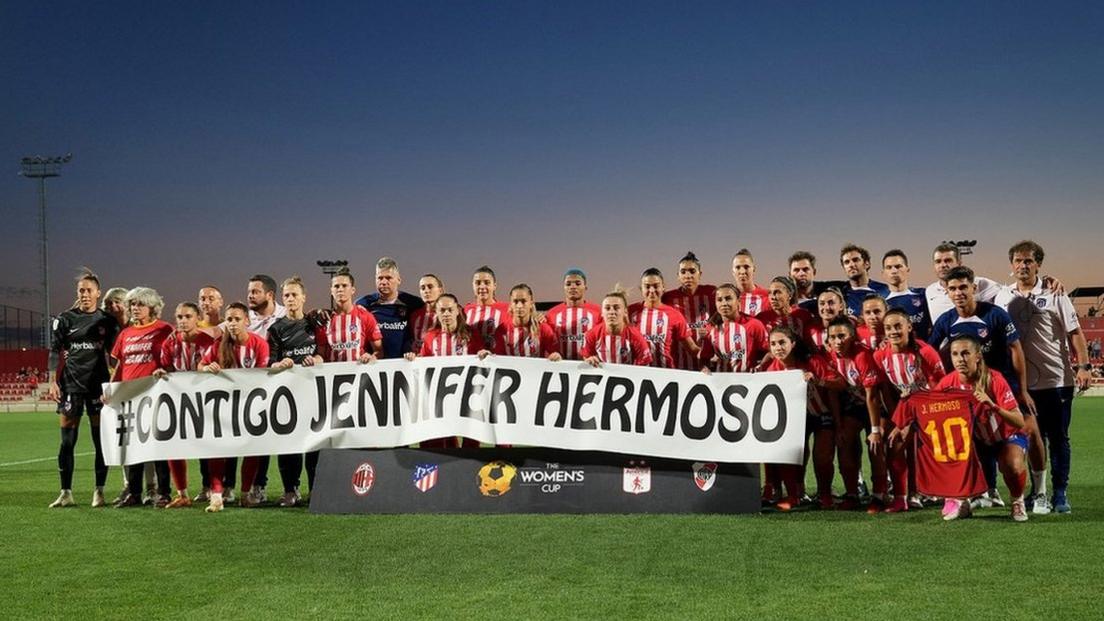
column 214, row 142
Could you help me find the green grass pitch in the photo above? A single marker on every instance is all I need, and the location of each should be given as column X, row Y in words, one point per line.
column 276, row 564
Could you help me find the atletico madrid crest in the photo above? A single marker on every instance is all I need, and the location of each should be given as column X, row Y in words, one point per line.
column 424, row 477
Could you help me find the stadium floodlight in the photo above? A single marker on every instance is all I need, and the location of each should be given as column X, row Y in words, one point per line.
column 331, row 267
column 965, row 246
column 42, row 169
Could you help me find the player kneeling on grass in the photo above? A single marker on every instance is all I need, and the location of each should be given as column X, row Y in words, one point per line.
column 1000, row 425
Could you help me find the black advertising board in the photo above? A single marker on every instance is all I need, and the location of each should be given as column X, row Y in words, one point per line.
column 527, row 480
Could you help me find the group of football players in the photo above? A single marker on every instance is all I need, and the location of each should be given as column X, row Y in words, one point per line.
column 949, row 385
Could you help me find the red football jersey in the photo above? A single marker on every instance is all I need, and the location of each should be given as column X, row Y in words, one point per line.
column 571, row 324
column 992, row 428
column 437, row 342
column 629, row 347
column 421, row 322
column 738, row 345
column 253, row 354
column 947, row 465
column 484, row 319
column 696, row 308
column 511, row 340
column 910, row 370
column 180, row 355
column 868, row 337
column 138, row 350
column 755, row 301
column 348, row 335
column 817, row 400
column 661, row 326
column 798, row 319
column 860, row 370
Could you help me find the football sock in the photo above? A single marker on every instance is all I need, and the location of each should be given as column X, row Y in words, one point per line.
column 65, row 456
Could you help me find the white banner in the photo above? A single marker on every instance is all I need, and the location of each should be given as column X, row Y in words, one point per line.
column 500, row 400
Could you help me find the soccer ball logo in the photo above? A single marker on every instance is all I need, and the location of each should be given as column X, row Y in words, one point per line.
column 496, row 477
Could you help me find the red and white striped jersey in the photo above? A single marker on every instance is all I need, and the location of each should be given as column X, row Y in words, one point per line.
column 661, row 327
column 511, row 340
column 859, row 369
column 485, row 318
column 738, row 345
column 348, row 335
column 421, row 322
column 910, row 370
column 629, row 347
column 868, row 337
column 571, row 324
column 178, row 354
column 816, row 403
column 437, row 342
column 253, row 354
column 696, row 308
column 755, row 301
column 816, row 336
column 797, row 319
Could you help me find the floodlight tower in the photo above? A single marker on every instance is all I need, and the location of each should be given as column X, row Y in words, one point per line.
column 331, row 267
column 965, row 246
column 42, row 168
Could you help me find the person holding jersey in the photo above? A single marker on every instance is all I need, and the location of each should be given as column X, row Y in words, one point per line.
column 615, row 340
column 1000, row 428
column 661, row 325
column 81, row 338
column 860, row 408
column 293, row 340
column 183, row 351
column 908, row 365
column 696, row 302
column 575, row 316
column 138, row 354
column 790, row 352
column 735, row 342
column 238, row 348
column 525, row 335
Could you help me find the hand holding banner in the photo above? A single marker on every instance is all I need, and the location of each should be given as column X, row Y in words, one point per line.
column 731, row 417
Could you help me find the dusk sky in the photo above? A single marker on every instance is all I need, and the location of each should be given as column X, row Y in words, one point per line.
column 214, row 141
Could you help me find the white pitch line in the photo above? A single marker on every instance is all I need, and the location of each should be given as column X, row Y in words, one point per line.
column 35, row 461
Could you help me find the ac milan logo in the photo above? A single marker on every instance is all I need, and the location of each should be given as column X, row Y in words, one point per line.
column 705, row 475
column 363, row 477
column 424, row 477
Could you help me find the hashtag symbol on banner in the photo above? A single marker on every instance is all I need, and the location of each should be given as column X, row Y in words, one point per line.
column 126, row 426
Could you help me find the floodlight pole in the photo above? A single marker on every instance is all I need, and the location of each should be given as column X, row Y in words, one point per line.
column 42, row 168
column 331, row 267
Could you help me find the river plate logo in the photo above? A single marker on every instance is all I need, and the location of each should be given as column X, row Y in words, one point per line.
column 496, row 477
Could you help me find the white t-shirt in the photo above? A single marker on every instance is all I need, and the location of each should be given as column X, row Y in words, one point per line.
column 259, row 324
column 939, row 302
column 1044, row 321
